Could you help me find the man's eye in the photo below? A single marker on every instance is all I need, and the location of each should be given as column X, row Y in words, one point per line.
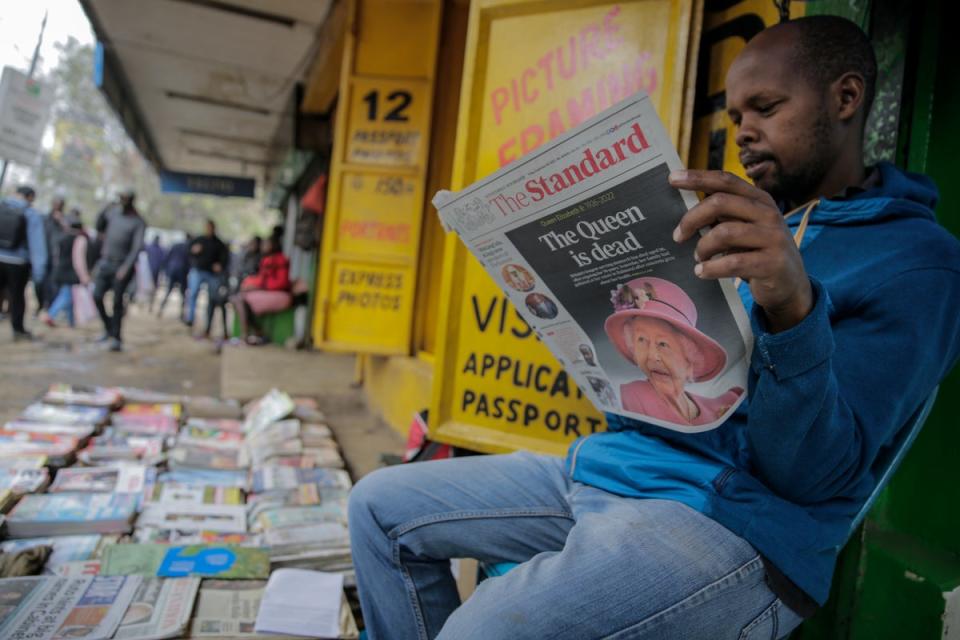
column 766, row 109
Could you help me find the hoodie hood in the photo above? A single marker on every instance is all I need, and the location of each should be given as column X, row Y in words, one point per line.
column 898, row 194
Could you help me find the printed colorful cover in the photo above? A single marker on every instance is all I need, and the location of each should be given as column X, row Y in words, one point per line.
column 65, row 414
column 83, row 395
column 207, row 561
column 74, row 508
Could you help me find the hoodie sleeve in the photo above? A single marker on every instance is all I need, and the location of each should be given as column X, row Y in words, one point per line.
column 827, row 394
column 37, row 245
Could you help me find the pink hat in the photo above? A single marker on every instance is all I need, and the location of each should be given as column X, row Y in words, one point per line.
column 663, row 300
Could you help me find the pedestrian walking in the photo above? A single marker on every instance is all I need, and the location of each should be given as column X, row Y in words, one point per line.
column 54, row 230
column 23, row 253
column 122, row 232
column 70, row 270
column 208, row 261
column 176, row 265
column 156, row 254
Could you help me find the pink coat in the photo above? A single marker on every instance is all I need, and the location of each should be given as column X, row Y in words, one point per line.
column 640, row 397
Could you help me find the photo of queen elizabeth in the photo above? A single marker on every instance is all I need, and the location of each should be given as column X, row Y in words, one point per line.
column 654, row 327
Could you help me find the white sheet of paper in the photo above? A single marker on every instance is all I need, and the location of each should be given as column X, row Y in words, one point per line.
column 301, row 603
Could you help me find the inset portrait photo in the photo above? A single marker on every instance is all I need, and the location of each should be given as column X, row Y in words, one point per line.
column 517, row 278
column 587, row 353
column 541, row 306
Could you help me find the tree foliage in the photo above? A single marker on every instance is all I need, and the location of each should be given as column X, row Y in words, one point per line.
column 92, row 159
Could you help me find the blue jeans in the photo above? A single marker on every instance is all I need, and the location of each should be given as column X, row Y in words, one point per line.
column 594, row 565
column 62, row 302
column 196, row 279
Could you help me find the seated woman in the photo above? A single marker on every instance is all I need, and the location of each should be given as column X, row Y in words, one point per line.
column 654, row 327
column 267, row 291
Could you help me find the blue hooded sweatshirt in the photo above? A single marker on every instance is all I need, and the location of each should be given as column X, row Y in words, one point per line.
column 790, row 469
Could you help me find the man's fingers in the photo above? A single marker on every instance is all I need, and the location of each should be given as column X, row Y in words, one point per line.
column 731, row 236
column 717, row 181
column 745, row 264
column 720, row 207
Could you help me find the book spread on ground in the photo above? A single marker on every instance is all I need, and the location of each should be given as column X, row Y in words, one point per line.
column 578, row 234
column 71, row 513
column 207, row 561
column 54, row 608
column 127, row 479
column 182, row 516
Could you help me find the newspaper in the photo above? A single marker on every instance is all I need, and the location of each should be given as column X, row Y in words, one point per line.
column 228, row 609
column 58, row 608
column 160, row 609
column 578, row 234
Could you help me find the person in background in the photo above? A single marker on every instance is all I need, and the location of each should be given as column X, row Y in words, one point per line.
column 268, row 291
column 249, row 264
column 53, row 229
column 23, row 253
column 122, row 230
column 155, row 257
column 70, row 270
column 176, row 265
column 208, row 260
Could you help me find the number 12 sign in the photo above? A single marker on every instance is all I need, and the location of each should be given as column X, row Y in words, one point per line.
column 387, row 121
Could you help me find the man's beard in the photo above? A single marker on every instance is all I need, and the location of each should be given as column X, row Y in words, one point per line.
column 795, row 187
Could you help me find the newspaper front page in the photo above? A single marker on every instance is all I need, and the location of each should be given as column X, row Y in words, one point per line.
column 579, row 236
column 59, row 608
column 160, row 609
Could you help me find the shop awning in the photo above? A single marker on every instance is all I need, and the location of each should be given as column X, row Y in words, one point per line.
column 207, row 86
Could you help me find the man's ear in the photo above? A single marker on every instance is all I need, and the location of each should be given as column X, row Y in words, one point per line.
column 848, row 92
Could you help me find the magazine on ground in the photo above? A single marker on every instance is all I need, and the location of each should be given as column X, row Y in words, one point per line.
column 578, row 234
column 202, row 560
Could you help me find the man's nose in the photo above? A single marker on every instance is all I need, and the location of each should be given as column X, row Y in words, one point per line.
column 747, row 134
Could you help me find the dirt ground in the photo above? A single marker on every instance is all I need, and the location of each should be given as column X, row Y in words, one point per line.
column 161, row 355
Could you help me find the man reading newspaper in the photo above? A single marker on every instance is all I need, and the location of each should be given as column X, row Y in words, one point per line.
column 646, row 532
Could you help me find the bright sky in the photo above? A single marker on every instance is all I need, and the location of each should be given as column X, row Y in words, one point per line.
column 20, row 27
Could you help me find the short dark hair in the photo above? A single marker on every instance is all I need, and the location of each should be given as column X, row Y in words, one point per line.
column 830, row 46
column 26, row 191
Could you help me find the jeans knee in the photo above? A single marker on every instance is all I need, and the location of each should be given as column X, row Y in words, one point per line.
column 366, row 498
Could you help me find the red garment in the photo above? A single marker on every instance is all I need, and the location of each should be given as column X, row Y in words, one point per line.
column 273, row 275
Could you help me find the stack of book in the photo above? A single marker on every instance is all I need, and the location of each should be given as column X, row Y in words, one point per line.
column 175, row 512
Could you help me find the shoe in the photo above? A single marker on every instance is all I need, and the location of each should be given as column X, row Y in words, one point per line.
column 115, row 345
column 104, row 337
column 23, row 336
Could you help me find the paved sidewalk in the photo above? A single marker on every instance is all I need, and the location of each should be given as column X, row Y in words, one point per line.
column 161, row 355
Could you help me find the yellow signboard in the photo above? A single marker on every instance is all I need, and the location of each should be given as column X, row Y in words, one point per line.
column 388, row 121
column 371, row 236
column 534, row 70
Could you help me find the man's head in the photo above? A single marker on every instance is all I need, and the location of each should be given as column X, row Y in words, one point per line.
column 210, row 227
column 799, row 94
column 127, row 196
column 27, row 193
column 58, row 205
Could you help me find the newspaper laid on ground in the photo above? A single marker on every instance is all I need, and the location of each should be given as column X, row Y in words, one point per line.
column 578, row 234
column 160, row 609
column 51, row 608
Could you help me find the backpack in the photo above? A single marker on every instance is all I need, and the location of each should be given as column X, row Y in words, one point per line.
column 13, row 226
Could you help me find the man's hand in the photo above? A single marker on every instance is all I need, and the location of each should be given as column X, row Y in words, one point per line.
column 217, row 268
column 121, row 274
column 749, row 239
